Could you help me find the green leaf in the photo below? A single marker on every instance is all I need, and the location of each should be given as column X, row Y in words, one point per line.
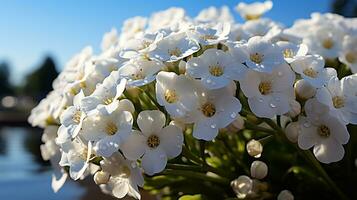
column 191, row 197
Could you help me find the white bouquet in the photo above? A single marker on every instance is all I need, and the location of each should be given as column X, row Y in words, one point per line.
column 186, row 105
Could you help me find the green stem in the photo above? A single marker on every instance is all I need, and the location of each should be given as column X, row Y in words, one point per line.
column 187, row 153
column 250, row 126
column 195, row 175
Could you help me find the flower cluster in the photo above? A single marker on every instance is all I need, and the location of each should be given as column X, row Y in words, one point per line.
column 129, row 109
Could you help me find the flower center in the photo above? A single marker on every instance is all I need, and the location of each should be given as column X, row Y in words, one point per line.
column 351, row 57
column 77, row 117
column 256, row 57
column 82, row 84
column 209, row 37
column 323, row 131
column 208, row 109
column 327, row 43
column 252, row 17
column 108, row 101
column 137, row 76
column 153, row 141
column 111, row 128
column 288, row 53
column 170, row 96
column 216, row 70
column 310, row 72
column 338, row 101
column 125, row 171
column 175, row 52
column 265, row 87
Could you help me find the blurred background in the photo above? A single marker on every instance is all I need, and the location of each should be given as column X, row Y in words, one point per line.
column 36, row 40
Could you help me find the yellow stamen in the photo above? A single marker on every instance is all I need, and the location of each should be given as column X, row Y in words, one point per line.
column 265, row 87
column 208, row 109
column 153, row 141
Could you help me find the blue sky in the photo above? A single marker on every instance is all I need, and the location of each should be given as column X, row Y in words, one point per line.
column 32, row 29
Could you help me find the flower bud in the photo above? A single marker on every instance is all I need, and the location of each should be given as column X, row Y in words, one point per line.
column 258, row 170
column 295, row 109
column 304, row 90
column 101, row 177
column 254, row 148
column 242, row 186
column 236, row 125
column 292, row 131
column 182, row 67
column 285, row 195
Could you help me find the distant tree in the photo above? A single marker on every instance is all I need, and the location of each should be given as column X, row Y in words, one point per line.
column 5, row 85
column 39, row 82
column 347, row 8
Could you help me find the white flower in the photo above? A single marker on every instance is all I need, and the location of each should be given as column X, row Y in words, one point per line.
column 175, row 92
column 166, row 18
column 269, row 94
column 140, row 71
column 260, row 27
column 238, row 33
column 348, row 55
column 215, row 109
column 254, row 10
column 325, row 41
column 214, row 15
column 215, row 68
column 140, row 46
column 207, row 34
column 174, row 47
column 155, row 143
column 106, row 94
column 76, row 155
column 108, row 130
column 49, row 149
column 110, row 39
column 323, row 132
column 258, row 54
column 341, row 98
column 71, row 120
column 122, row 176
column 311, row 68
column 291, row 51
column 132, row 28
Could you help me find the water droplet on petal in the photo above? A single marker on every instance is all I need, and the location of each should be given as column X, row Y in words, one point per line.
column 233, row 115
column 280, row 73
column 133, row 165
column 208, row 81
column 307, row 124
column 272, row 105
column 213, row 125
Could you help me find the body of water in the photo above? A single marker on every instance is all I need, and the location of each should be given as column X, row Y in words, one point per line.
column 24, row 176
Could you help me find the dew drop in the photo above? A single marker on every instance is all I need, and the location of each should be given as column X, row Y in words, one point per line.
column 213, row 125
column 260, row 100
column 306, row 124
column 280, row 73
column 272, row 105
column 233, row 115
column 208, row 81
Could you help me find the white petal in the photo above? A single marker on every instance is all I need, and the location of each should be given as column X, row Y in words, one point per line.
column 171, row 140
column 205, row 130
column 134, row 146
column 329, row 150
column 154, row 161
column 121, row 188
column 151, row 121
